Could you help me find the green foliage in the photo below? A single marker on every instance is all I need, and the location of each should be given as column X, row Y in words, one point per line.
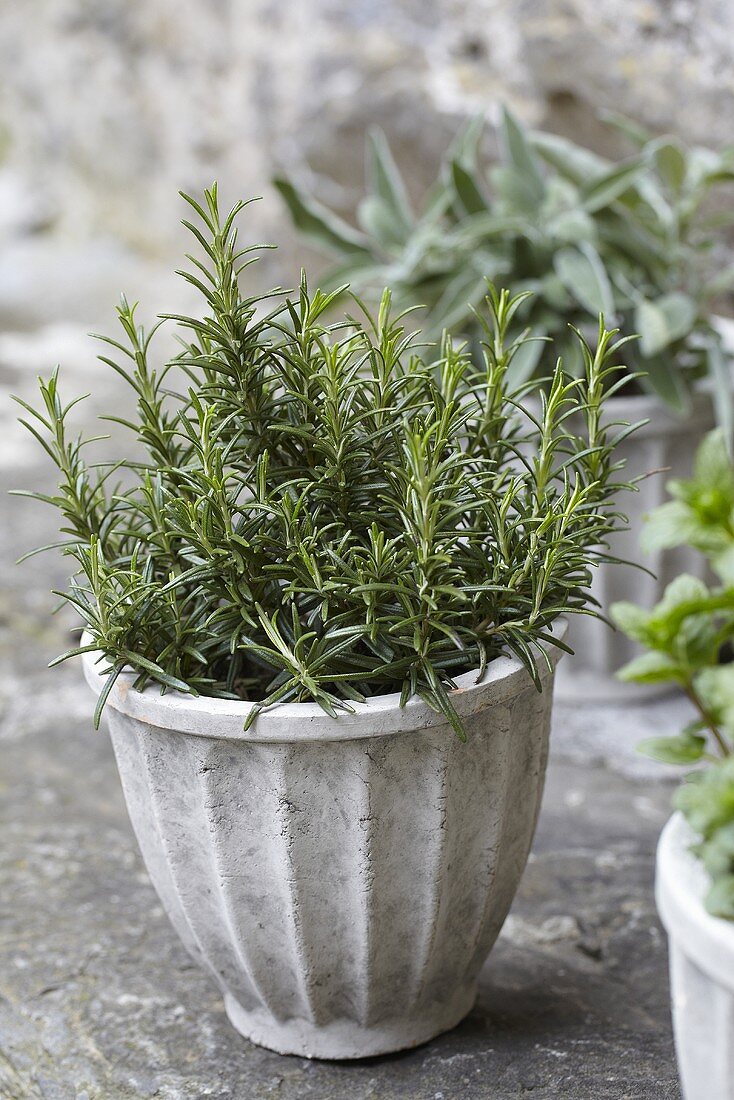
column 689, row 637
column 707, row 800
column 584, row 234
column 701, row 512
column 321, row 511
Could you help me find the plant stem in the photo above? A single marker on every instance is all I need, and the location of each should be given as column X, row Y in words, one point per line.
column 721, row 742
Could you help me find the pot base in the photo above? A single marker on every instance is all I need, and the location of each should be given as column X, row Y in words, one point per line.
column 345, row 1039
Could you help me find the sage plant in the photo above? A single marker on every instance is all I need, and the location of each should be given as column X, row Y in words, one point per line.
column 635, row 239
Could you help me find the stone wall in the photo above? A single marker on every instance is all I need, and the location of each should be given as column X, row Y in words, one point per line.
column 109, row 108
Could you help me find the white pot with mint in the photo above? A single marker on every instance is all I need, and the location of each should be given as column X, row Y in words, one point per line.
column 701, row 949
column 687, row 640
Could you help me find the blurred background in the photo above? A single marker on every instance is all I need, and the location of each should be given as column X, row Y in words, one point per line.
column 107, row 110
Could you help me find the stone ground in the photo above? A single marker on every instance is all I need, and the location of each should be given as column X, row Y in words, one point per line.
column 98, row 1000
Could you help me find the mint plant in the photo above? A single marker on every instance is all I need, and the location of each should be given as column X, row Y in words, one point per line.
column 315, row 510
column 585, row 234
column 689, row 637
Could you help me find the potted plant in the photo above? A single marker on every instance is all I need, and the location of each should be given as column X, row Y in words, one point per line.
column 688, row 640
column 332, row 558
column 585, row 234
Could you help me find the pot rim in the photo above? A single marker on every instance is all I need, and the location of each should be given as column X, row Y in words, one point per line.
column 380, row 715
column 681, row 884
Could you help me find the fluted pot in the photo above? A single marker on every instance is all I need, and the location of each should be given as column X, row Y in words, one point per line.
column 661, row 449
column 341, row 880
column 701, row 949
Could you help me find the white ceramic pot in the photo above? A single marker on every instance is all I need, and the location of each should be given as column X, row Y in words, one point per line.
column 342, row 880
column 664, row 448
column 701, row 969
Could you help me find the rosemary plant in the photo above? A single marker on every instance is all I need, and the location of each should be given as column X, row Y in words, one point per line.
column 325, row 511
column 632, row 239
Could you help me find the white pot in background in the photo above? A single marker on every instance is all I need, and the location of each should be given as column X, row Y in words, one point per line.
column 341, row 880
column 664, row 448
column 701, row 969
